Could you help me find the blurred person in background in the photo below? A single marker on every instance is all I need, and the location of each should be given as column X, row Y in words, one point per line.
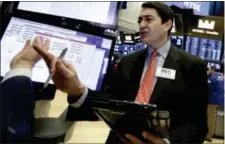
column 216, row 97
column 216, row 85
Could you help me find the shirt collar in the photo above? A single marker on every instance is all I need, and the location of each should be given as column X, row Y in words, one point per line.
column 163, row 51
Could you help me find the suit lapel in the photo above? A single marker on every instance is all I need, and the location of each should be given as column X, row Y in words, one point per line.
column 170, row 63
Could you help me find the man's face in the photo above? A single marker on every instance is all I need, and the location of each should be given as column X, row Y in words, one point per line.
column 209, row 72
column 151, row 27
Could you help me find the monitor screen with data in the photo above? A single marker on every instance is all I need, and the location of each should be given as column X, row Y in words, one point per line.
column 177, row 41
column 89, row 54
column 99, row 12
column 205, row 48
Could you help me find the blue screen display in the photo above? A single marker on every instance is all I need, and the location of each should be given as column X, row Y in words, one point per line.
column 177, row 41
column 140, row 46
column 128, row 49
column 89, row 54
column 204, row 48
column 125, row 49
column 118, row 49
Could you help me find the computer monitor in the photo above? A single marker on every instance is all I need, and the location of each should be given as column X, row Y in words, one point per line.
column 98, row 12
column 128, row 49
column 118, row 48
column 88, row 53
column 205, row 48
column 177, row 41
column 128, row 39
column 140, row 46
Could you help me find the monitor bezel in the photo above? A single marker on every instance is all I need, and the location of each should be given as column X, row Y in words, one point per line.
column 113, row 26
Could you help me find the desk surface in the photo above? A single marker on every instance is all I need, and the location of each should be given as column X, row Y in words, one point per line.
column 87, row 132
column 84, row 132
column 80, row 132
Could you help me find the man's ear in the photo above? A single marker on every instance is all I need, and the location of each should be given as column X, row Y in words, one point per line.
column 168, row 25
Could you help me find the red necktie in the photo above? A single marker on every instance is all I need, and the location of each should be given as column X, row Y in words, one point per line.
column 146, row 87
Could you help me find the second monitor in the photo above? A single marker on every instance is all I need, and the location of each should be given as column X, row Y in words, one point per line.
column 98, row 12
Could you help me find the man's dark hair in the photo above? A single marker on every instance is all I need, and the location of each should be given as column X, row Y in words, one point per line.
column 163, row 11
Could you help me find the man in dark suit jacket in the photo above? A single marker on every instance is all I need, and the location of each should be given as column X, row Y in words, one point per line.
column 18, row 96
column 17, row 105
column 164, row 75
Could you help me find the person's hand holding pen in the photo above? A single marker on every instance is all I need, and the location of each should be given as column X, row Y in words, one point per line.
column 64, row 75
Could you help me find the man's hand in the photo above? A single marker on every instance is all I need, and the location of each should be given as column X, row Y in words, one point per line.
column 65, row 76
column 148, row 136
column 28, row 57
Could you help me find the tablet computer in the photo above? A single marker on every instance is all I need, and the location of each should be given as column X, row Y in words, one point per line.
column 125, row 117
column 88, row 53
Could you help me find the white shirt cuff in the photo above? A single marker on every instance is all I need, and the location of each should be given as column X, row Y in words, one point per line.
column 17, row 72
column 80, row 101
column 167, row 141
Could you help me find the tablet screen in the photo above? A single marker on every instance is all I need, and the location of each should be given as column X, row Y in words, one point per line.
column 89, row 54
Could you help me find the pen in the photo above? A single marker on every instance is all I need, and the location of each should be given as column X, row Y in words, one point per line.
column 62, row 54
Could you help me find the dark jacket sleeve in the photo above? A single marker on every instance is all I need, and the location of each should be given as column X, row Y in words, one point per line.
column 17, row 105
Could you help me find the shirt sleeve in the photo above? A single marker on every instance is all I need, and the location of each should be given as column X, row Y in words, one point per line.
column 81, row 100
column 17, row 72
column 28, row 72
column 167, row 141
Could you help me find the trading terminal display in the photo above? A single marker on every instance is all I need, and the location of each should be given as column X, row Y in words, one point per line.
column 125, row 49
column 128, row 49
column 204, row 48
column 177, row 41
column 88, row 53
